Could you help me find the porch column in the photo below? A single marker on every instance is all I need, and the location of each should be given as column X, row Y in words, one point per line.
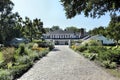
column 69, row 42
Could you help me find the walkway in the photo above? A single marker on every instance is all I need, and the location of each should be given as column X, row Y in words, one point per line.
column 64, row 64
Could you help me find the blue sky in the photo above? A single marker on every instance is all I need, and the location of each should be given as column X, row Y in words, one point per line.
column 51, row 12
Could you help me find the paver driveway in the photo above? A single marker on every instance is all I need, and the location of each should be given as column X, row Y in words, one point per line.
column 64, row 64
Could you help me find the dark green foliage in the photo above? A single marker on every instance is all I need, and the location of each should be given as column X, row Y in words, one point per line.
column 37, row 41
column 21, row 50
column 34, row 56
column 72, row 28
column 96, row 49
column 5, row 75
column 51, row 46
column 92, row 8
column 112, row 55
column 98, row 31
column 109, row 64
column 44, row 44
column 16, row 71
column 2, row 64
column 54, row 28
column 94, row 43
column 91, row 56
column 108, row 56
column 23, row 60
column 81, row 48
column 30, row 45
column 113, row 29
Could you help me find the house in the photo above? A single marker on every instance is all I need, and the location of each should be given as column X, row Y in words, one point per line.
column 104, row 40
column 62, row 37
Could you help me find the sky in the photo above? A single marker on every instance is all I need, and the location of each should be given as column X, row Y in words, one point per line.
column 52, row 13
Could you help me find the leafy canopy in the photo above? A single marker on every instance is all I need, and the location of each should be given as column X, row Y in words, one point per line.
column 113, row 30
column 92, row 8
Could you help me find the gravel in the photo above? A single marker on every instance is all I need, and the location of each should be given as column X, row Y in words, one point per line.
column 64, row 64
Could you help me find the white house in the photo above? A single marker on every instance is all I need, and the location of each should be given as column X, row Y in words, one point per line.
column 101, row 38
column 62, row 37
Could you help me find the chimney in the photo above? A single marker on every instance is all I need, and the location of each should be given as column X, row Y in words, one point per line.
column 82, row 32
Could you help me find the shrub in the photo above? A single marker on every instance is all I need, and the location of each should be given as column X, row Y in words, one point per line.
column 2, row 64
column 21, row 49
column 17, row 71
column 51, row 46
column 37, row 41
column 112, row 55
column 5, row 75
column 35, row 45
column 1, row 56
column 109, row 64
column 8, row 55
column 87, row 55
column 74, row 47
column 96, row 49
column 93, row 49
column 9, row 65
column 103, row 56
column 94, row 43
column 44, row 52
column 106, row 63
column 113, row 65
column 43, row 44
column 30, row 45
column 23, row 60
column 81, row 48
column 93, row 56
column 115, row 56
column 34, row 56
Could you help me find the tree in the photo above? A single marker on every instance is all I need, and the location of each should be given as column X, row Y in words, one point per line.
column 38, row 28
column 32, row 28
column 47, row 30
column 72, row 28
column 6, row 19
column 113, row 30
column 54, row 28
column 92, row 8
column 5, row 5
column 12, row 25
column 100, row 30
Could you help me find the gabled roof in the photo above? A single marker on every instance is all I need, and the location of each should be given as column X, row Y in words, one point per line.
column 62, row 32
column 101, row 38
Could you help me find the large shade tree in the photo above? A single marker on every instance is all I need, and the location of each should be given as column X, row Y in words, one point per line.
column 12, row 25
column 98, row 31
column 6, row 19
column 32, row 28
column 38, row 28
column 92, row 8
column 113, row 30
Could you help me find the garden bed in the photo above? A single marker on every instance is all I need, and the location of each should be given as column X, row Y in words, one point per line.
column 105, row 56
column 16, row 61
